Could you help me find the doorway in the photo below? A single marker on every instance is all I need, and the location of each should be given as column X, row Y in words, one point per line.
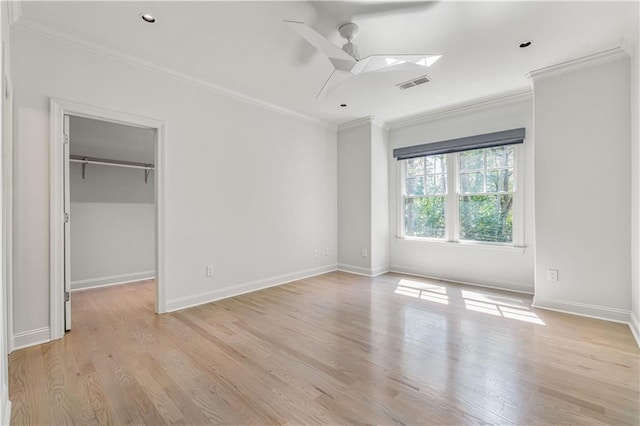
column 110, row 207
column 106, row 204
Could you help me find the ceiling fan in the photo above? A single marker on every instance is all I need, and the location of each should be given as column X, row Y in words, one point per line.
column 347, row 62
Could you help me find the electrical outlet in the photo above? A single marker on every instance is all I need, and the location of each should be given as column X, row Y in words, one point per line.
column 552, row 275
column 210, row 270
column 315, row 253
column 326, row 251
column 363, row 252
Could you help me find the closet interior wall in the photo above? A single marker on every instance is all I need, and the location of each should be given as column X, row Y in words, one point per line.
column 112, row 208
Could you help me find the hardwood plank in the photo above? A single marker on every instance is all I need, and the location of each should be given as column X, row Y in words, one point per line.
column 332, row 349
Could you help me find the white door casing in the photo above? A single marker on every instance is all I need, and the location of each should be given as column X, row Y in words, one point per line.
column 59, row 282
column 67, row 228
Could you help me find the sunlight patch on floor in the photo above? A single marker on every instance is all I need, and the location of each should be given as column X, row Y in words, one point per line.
column 499, row 306
column 424, row 291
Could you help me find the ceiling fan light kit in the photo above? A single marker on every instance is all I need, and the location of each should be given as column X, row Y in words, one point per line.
column 347, row 62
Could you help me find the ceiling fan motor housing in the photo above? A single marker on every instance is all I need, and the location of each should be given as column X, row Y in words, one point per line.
column 349, row 31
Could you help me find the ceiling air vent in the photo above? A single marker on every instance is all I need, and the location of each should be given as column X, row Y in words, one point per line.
column 414, row 82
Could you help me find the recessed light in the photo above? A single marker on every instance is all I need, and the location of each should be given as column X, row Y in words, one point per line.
column 147, row 18
column 525, row 44
column 343, row 105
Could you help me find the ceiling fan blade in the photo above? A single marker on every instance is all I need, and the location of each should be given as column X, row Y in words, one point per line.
column 383, row 62
column 318, row 41
column 334, row 79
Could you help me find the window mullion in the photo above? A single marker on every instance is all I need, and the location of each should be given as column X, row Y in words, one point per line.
column 452, row 208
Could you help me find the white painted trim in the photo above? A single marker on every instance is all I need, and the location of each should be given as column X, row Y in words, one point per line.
column 238, row 289
column 37, row 28
column 583, row 309
column 514, row 288
column 112, row 280
column 32, row 337
column 14, row 9
column 379, row 270
column 358, row 270
column 56, row 224
column 463, row 108
column 634, row 325
column 161, row 185
column 370, row 119
column 60, row 107
column 6, row 406
column 464, row 244
column 356, row 123
column 366, row 272
column 380, row 123
column 589, row 61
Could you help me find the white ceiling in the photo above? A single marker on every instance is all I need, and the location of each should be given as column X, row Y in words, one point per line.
column 244, row 46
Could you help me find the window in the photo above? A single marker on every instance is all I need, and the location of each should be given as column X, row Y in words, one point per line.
column 425, row 198
column 485, row 195
column 461, row 196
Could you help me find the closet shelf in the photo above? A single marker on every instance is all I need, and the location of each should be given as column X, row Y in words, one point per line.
column 147, row 167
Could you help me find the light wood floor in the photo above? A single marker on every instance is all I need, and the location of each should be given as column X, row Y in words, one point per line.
column 332, row 349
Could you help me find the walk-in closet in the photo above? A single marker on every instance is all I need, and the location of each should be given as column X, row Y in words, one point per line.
column 112, row 206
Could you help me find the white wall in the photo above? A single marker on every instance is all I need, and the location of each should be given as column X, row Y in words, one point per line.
column 379, row 199
column 635, row 182
column 112, row 226
column 249, row 190
column 363, row 197
column 5, row 404
column 583, row 183
column 498, row 267
column 354, row 197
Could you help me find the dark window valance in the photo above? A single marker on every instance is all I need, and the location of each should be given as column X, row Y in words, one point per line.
column 489, row 140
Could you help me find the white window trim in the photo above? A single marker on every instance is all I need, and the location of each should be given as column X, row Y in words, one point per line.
column 452, row 232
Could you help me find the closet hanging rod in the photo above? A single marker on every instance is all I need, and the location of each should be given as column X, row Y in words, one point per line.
column 106, row 162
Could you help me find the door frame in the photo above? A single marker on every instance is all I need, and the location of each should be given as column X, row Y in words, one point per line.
column 60, row 108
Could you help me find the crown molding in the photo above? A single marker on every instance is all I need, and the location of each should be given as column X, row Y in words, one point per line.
column 589, row 61
column 33, row 27
column 14, row 9
column 355, row 123
column 380, row 123
column 371, row 120
column 463, row 108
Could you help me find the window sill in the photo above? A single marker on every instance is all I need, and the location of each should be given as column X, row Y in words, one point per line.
column 465, row 244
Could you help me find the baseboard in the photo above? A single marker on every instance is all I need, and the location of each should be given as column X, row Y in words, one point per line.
column 31, row 338
column 6, row 406
column 238, row 289
column 634, row 325
column 358, row 270
column 515, row 288
column 112, row 280
column 583, row 309
column 380, row 270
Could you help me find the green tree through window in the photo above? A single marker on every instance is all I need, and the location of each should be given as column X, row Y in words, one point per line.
column 424, row 201
column 484, row 188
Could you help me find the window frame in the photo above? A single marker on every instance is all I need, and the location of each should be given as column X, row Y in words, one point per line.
column 452, row 206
